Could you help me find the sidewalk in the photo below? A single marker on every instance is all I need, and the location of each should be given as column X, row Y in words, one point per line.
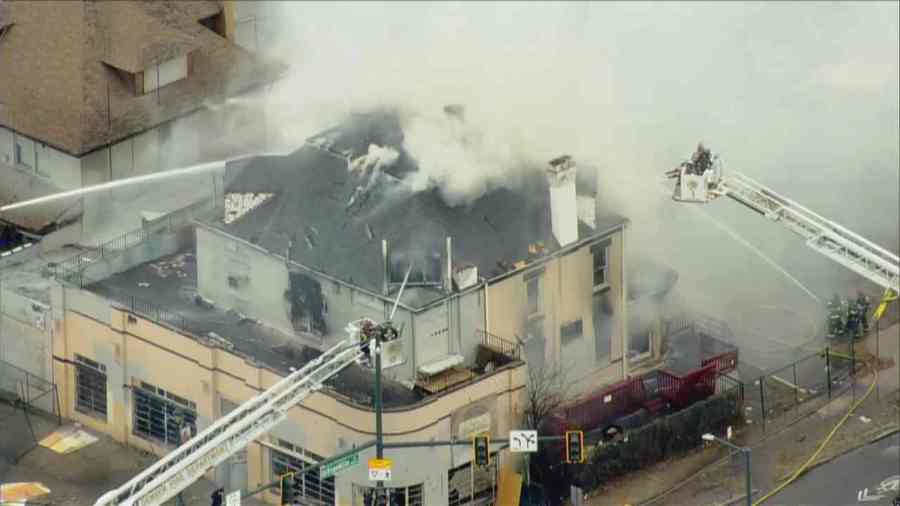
column 709, row 476
column 778, row 456
column 79, row 478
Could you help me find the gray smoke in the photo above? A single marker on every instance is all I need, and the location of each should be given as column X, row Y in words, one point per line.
column 801, row 96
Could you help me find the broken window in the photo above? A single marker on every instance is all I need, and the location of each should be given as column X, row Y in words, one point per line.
column 571, row 332
column 426, row 267
column 237, row 281
column 308, row 485
column 603, row 327
column 162, row 416
column 533, row 294
column 90, row 387
column 535, row 343
column 601, row 267
column 307, row 304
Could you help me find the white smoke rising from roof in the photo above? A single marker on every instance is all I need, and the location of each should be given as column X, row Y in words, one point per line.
column 804, row 97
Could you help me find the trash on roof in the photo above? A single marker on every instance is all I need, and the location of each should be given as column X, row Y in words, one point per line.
column 67, row 440
column 21, row 493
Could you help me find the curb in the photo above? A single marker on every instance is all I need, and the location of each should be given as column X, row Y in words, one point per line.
column 889, row 431
column 843, row 390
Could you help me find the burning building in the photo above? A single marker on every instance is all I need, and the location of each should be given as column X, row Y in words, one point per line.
column 538, row 265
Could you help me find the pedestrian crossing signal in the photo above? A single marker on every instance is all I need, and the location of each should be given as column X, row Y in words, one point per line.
column 574, row 447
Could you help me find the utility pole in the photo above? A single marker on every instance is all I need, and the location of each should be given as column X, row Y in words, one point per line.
column 379, row 437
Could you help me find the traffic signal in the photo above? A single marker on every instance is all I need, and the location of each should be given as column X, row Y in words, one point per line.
column 481, row 445
column 574, row 447
column 287, row 492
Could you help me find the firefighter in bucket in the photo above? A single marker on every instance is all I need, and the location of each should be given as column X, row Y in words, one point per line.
column 370, row 334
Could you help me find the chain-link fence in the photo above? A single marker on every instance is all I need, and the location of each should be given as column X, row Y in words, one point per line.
column 29, row 408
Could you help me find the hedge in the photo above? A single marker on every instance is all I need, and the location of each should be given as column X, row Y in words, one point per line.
column 661, row 439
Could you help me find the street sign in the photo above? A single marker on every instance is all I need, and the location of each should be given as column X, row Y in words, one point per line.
column 380, row 469
column 523, row 441
column 333, row 468
column 233, row 499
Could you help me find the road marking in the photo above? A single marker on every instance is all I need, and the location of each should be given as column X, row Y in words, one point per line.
column 863, row 496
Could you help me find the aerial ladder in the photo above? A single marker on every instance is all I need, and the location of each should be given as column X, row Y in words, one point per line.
column 228, row 435
column 189, row 462
column 701, row 179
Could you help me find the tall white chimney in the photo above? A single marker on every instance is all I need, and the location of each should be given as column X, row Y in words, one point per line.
column 563, row 200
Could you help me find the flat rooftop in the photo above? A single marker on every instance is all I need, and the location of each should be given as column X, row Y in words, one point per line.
column 27, row 273
column 173, row 279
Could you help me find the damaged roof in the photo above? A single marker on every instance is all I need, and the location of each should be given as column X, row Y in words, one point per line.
column 68, row 70
column 311, row 213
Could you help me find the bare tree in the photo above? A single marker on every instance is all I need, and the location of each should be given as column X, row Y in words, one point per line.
column 548, row 391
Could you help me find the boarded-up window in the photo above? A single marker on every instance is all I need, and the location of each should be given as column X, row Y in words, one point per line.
column 165, row 73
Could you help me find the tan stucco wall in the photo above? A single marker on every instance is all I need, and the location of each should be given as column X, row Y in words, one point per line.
column 567, row 291
column 144, row 351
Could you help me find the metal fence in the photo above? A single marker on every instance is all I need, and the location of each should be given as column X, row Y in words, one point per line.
column 69, row 270
column 779, row 397
column 23, row 395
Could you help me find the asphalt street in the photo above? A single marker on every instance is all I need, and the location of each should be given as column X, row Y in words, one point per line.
column 868, row 476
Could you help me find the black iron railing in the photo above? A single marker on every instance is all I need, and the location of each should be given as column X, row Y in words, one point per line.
column 500, row 345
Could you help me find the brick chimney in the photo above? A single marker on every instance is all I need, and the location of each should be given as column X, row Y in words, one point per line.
column 563, row 200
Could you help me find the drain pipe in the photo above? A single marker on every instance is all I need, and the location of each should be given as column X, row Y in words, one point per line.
column 626, row 339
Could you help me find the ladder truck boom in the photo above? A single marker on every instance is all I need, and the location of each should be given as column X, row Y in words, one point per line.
column 228, row 435
column 701, row 179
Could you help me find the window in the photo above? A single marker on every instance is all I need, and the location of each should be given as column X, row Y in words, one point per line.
column 601, row 267
column 461, row 479
column 215, row 23
column 533, row 292
column 309, row 485
column 237, row 281
column 165, row 73
column 535, row 342
column 571, row 332
column 397, row 496
column 90, row 387
column 603, row 327
column 162, row 416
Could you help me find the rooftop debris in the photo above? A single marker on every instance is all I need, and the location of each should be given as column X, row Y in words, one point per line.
column 21, row 493
column 67, row 440
column 239, row 204
column 173, row 267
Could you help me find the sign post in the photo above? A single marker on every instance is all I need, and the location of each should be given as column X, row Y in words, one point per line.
column 380, row 469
